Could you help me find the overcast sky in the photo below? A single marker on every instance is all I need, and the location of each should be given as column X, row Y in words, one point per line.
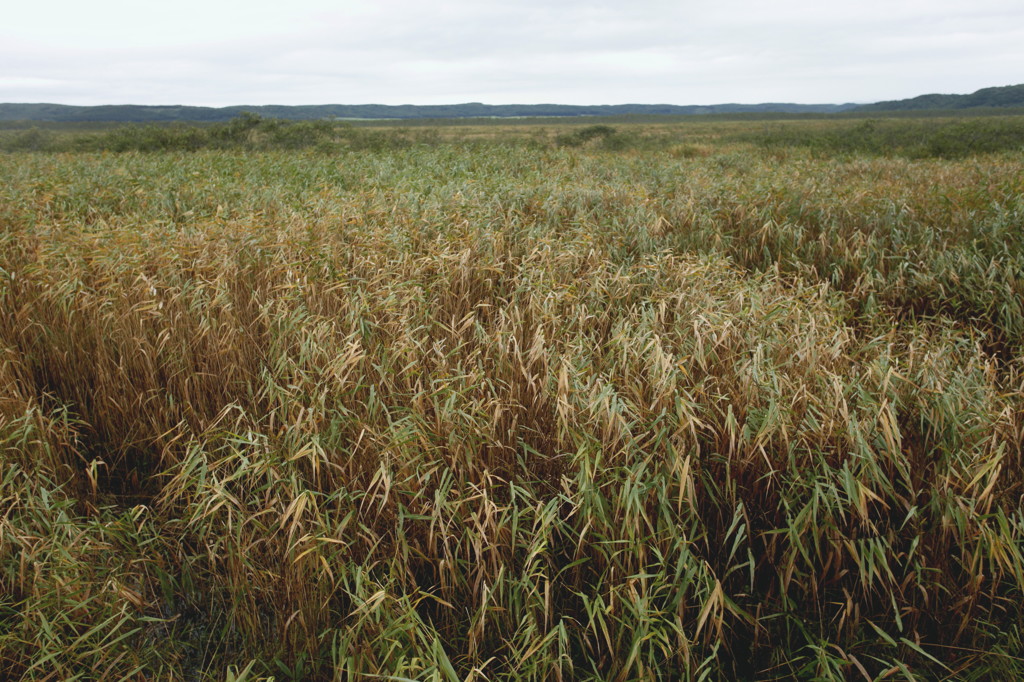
column 222, row 52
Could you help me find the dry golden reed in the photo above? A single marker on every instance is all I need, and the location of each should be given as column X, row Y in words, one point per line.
column 510, row 410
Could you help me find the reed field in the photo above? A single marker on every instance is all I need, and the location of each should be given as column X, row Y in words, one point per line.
column 727, row 400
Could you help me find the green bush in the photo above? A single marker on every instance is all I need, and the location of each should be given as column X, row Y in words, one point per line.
column 906, row 138
column 31, row 140
column 582, row 136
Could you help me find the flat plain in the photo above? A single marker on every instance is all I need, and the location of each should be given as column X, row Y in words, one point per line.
column 631, row 401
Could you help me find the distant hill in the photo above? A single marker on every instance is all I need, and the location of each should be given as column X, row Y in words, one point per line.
column 998, row 97
column 1006, row 96
column 132, row 113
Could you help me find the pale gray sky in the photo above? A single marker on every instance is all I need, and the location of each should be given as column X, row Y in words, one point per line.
column 221, row 52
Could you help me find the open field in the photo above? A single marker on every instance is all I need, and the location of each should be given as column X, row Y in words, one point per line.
column 720, row 400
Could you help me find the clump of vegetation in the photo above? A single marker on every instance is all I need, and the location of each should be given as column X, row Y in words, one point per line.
column 244, row 133
column 578, row 138
column 912, row 138
column 437, row 409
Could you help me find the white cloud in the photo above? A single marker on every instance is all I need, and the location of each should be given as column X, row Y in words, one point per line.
column 395, row 51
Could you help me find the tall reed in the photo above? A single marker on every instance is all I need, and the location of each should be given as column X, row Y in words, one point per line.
column 501, row 411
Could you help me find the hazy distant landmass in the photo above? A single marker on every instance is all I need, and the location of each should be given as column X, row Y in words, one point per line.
column 1008, row 96
column 133, row 113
